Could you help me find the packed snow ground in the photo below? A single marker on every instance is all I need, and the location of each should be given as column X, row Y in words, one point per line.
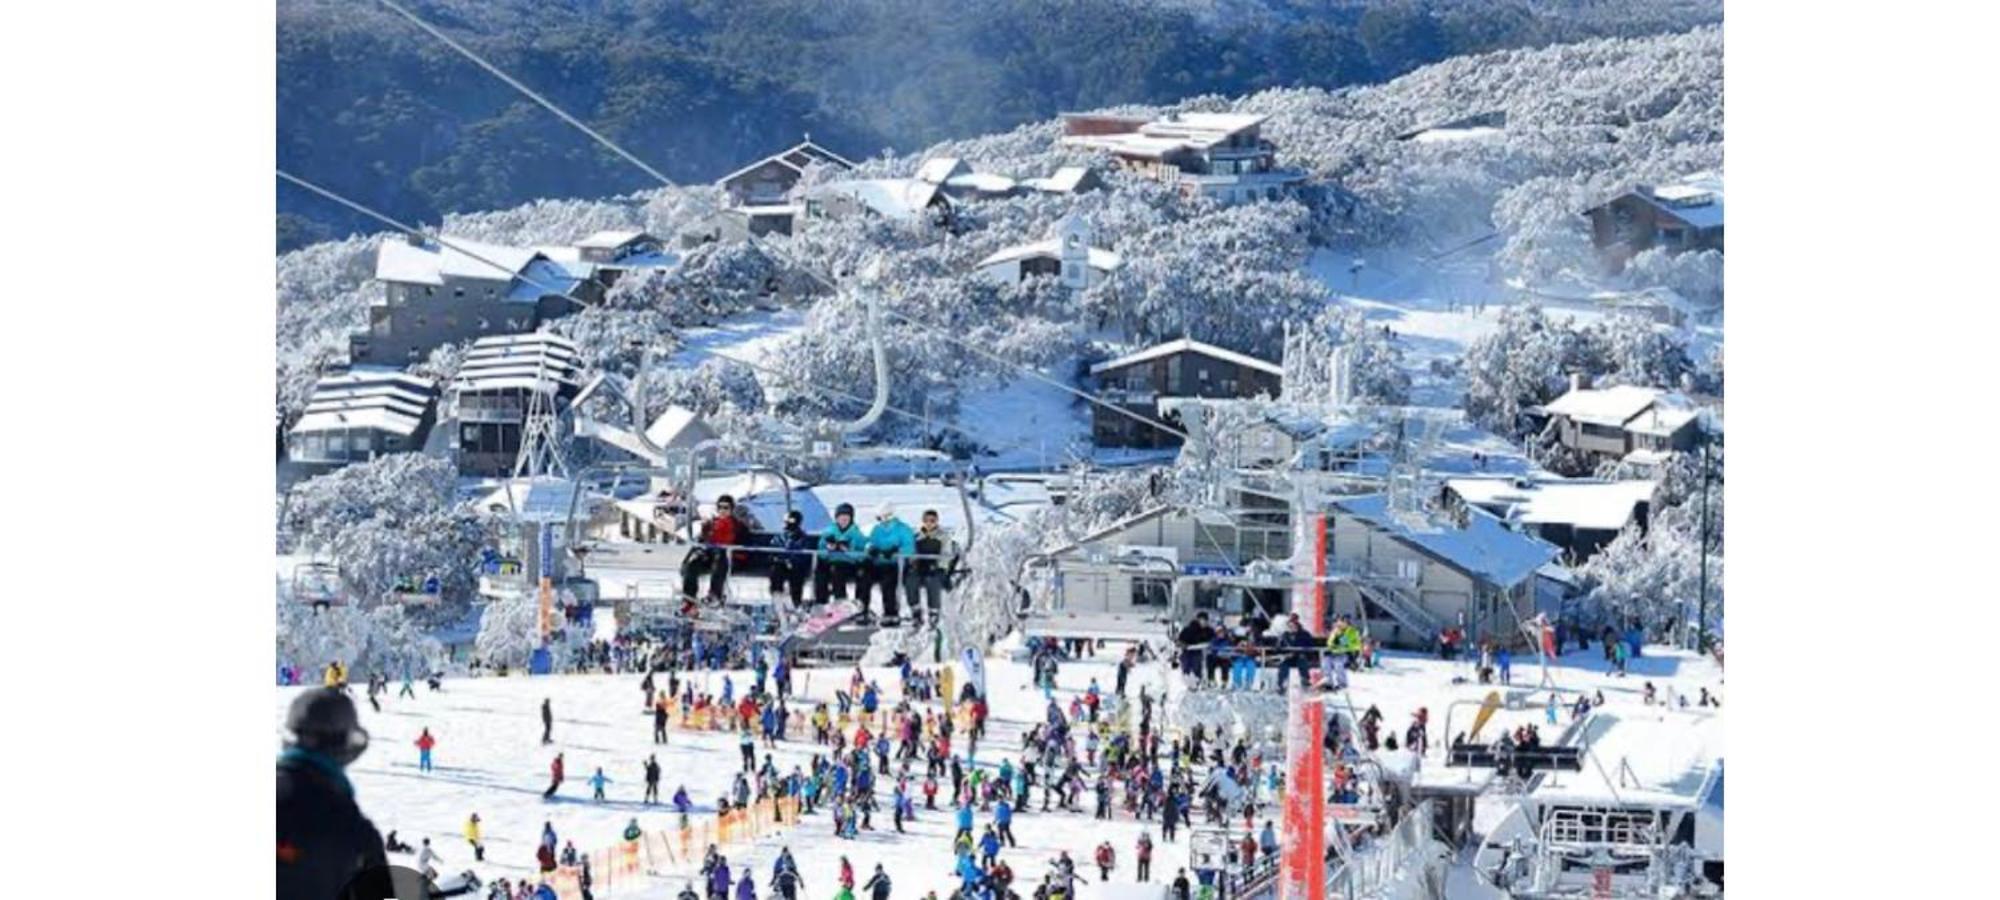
column 489, row 760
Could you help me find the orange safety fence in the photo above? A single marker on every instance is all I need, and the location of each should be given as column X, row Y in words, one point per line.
column 629, row 862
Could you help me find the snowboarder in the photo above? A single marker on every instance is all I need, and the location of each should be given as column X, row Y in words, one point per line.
column 424, row 744
column 840, row 556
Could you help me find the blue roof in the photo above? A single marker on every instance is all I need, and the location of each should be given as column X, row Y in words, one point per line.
column 1486, row 548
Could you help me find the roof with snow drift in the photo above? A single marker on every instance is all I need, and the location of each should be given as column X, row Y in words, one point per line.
column 1189, row 345
column 1595, row 505
column 891, row 198
column 796, row 157
column 1051, row 248
column 1485, row 549
column 1641, row 409
column 1695, row 200
column 381, row 400
column 539, row 361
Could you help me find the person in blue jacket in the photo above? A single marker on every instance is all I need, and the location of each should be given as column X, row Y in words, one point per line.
column 964, row 820
column 1003, row 819
column 891, row 543
column 841, row 548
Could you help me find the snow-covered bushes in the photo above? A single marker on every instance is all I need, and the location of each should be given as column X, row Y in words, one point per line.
column 1654, row 577
column 387, row 521
column 385, row 639
column 510, row 630
column 1527, row 360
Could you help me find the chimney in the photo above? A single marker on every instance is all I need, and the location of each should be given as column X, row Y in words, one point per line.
column 1576, row 382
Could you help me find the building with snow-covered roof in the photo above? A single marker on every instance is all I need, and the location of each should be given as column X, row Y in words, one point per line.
column 1407, row 574
column 360, row 415
column 1066, row 180
column 1578, row 515
column 894, row 199
column 489, row 399
column 1067, row 255
column 771, row 180
column 1220, row 155
column 1138, row 381
column 1617, row 422
column 1682, row 216
column 441, row 293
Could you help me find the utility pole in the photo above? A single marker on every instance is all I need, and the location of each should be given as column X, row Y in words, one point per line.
column 1701, row 618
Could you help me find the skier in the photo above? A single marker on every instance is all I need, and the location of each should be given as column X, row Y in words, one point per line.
column 548, row 723
column 424, row 744
column 1145, row 856
column 323, row 839
column 473, row 837
column 597, row 783
column 555, row 777
column 878, row 884
column 660, row 721
column 989, row 848
column 745, row 888
column 1180, row 886
column 1003, row 821
column 1106, row 860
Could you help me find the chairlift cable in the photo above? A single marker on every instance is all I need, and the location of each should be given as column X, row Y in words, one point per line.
column 756, row 239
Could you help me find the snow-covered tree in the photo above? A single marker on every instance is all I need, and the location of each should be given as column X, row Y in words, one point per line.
column 1522, row 363
column 389, row 521
column 1653, row 577
column 385, row 639
column 1375, row 361
column 510, row 630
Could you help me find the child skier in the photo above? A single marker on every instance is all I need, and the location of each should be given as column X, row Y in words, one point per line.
column 597, row 783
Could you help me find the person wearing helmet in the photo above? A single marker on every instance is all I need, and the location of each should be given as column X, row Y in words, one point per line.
column 789, row 568
column 324, row 842
column 840, row 547
column 891, row 543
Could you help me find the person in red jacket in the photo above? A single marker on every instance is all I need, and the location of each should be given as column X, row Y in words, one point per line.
column 725, row 530
column 424, row 744
column 555, row 777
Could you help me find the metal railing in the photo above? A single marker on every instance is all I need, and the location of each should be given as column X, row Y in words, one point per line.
column 1409, row 847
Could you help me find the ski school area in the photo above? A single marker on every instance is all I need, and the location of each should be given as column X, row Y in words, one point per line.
column 734, row 783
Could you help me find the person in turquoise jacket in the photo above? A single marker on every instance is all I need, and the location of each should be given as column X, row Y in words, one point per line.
column 891, row 543
column 841, row 550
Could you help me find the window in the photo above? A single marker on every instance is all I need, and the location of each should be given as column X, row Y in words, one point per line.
column 430, row 291
column 1151, row 592
column 458, row 292
column 336, row 444
column 363, row 442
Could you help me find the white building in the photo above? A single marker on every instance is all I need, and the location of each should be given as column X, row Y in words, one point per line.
column 1067, row 255
column 361, row 415
column 1641, row 425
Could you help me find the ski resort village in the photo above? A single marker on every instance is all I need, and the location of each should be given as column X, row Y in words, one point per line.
column 1307, row 493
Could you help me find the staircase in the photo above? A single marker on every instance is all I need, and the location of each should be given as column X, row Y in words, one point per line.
column 1400, row 603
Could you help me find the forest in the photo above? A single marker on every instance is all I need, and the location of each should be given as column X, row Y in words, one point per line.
column 371, row 106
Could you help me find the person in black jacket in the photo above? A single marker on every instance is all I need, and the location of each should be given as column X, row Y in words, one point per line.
column 1194, row 640
column 789, row 569
column 326, row 847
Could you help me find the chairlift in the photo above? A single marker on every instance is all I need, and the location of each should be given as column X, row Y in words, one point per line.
column 318, row 584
